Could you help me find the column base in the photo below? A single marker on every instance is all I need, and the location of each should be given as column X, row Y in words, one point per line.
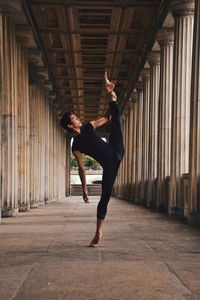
column 160, row 208
column 46, row 201
column 151, row 205
column 136, row 200
column 175, row 211
column 9, row 212
column 24, row 207
column 34, row 205
column 41, row 203
column 193, row 218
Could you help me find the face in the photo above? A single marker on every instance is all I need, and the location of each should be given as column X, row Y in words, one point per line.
column 76, row 123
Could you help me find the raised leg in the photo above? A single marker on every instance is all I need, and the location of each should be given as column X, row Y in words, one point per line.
column 116, row 137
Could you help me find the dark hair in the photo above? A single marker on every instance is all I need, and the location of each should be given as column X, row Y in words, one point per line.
column 65, row 120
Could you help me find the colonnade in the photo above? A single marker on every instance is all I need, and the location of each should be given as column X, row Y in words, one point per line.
column 34, row 160
column 165, row 110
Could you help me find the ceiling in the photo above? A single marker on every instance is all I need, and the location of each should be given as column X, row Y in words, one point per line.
column 81, row 39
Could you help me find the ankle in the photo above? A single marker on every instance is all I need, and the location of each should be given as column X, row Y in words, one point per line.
column 98, row 233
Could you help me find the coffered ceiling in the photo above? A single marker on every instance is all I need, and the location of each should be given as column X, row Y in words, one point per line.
column 81, row 39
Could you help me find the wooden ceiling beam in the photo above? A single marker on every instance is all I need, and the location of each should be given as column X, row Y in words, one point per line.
column 81, row 5
column 92, row 66
column 87, row 34
column 91, row 51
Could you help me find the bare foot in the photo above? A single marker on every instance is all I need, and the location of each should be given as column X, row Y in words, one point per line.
column 96, row 239
column 109, row 85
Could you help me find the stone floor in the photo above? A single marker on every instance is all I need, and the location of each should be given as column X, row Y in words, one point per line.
column 44, row 254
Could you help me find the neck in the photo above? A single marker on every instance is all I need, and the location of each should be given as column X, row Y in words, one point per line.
column 76, row 132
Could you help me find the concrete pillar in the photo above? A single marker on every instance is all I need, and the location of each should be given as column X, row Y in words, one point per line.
column 8, row 110
column 193, row 204
column 145, row 135
column 165, row 38
column 154, row 62
column 183, row 13
column 138, row 159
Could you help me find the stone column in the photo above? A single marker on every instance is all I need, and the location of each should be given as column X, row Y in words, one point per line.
column 67, row 168
column 133, row 111
column 126, row 130
column 47, row 152
column 8, row 109
column 130, row 149
column 154, row 62
column 51, row 165
column 121, row 170
column 183, row 13
column 194, row 165
column 41, row 133
column 138, row 159
column 165, row 38
column 55, row 191
column 34, row 93
column 33, row 148
column 129, row 146
column 23, row 129
column 117, row 185
column 145, row 136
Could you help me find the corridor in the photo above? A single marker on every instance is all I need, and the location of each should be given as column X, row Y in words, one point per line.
column 143, row 254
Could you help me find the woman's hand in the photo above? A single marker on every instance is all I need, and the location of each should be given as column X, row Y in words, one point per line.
column 85, row 196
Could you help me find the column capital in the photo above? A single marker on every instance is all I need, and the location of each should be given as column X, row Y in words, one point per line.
column 153, row 57
column 48, row 86
column 22, row 40
column 145, row 73
column 123, row 116
column 133, row 98
column 182, row 8
column 35, row 57
column 130, row 105
column 43, row 72
column 125, row 112
column 165, row 37
column 10, row 7
column 139, row 86
column 51, row 96
column 24, row 35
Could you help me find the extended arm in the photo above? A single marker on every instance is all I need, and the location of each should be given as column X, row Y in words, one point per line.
column 81, row 171
column 101, row 121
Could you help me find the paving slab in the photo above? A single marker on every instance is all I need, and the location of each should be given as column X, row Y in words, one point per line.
column 45, row 254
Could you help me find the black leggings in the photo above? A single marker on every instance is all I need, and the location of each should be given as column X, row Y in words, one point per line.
column 110, row 171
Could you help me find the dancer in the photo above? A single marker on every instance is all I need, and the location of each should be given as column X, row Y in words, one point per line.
column 108, row 154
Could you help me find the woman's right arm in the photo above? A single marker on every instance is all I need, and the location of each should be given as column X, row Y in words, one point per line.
column 82, row 175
